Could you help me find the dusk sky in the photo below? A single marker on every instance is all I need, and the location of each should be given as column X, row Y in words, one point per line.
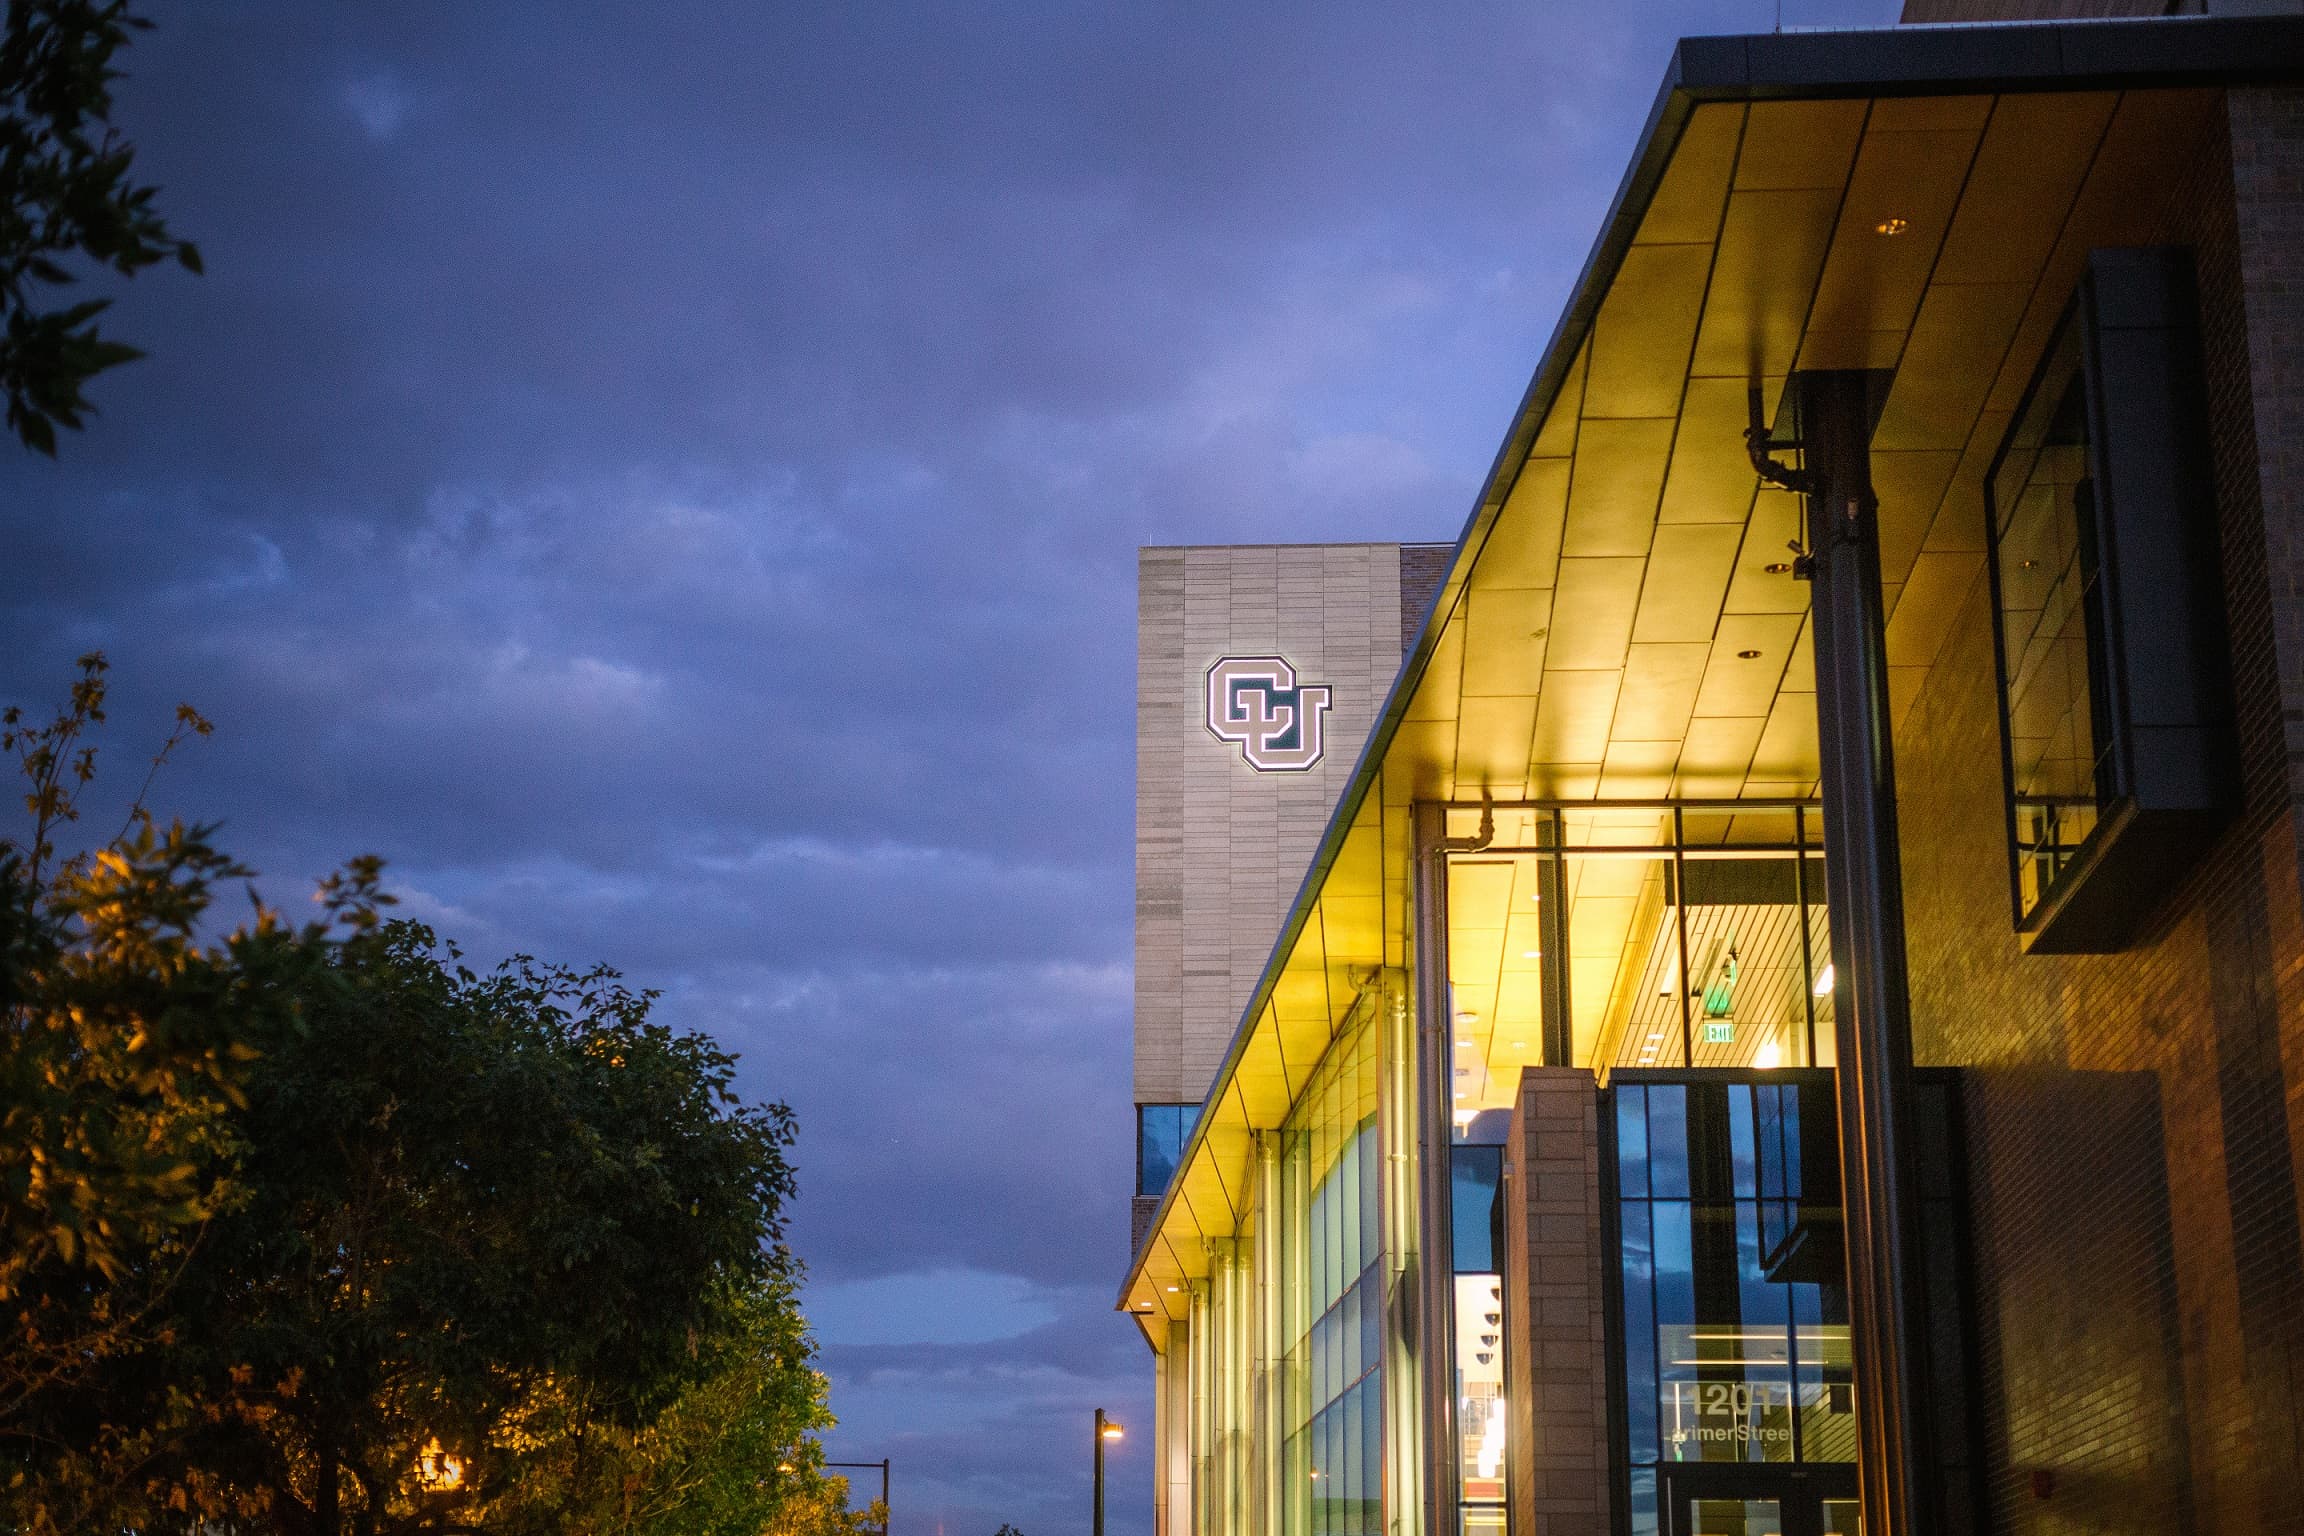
column 668, row 478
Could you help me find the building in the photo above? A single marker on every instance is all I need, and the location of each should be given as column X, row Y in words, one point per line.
column 1780, row 1007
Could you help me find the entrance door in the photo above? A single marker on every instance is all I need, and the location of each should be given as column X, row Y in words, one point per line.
column 1761, row 1500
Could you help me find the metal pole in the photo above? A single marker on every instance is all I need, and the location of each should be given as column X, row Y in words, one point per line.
column 1099, row 1472
column 1435, row 1103
column 1864, row 892
column 1807, row 941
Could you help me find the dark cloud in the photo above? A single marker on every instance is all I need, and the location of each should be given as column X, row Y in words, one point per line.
column 668, row 477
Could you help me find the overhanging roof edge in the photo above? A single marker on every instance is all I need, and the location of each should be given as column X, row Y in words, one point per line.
column 2163, row 52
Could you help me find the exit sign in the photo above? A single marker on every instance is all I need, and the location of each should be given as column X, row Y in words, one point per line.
column 1720, row 1032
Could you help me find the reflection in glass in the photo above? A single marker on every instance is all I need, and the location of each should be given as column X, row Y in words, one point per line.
column 2046, row 575
column 1736, row 1342
column 1161, row 1131
column 1331, row 1300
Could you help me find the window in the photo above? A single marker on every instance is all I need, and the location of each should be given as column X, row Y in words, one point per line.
column 2049, row 574
column 1161, row 1130
column 2112, row 671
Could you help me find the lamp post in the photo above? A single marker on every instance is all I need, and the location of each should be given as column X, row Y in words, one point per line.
column 1105, row 1430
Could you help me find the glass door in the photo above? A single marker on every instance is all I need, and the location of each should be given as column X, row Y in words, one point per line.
column 1760, row 1500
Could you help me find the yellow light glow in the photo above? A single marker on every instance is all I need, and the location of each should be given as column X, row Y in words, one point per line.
column 1891, row 226
column 1769, row 1055
column 438, row 1471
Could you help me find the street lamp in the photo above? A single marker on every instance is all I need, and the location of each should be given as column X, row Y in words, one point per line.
column 1105, row 1430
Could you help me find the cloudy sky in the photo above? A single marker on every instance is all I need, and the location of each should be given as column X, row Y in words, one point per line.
column 668, row 477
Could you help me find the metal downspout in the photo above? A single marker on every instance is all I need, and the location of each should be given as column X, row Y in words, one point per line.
column 1435, row 1085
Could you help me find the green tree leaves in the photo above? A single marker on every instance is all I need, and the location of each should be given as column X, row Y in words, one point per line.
column 314, row 1230
column 65, row 193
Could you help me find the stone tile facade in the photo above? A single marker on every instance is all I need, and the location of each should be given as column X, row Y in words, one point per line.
column 1558, row 1249
column 1221, row 847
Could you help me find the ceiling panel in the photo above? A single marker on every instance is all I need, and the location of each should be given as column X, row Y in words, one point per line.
column 1686, row 207
column 1957, row 344
column 1592, row 611
column 1557, row 437
column 1749, row 654
column 1492, row 745
column 2027, row 169
column 1911, row 489
column 1777, row 519
column 1786, row 751
column 1572, row 716
column 1711, row 479
column 1638, row 770
column 1504, row 640
column 1659, row 691
column 1716, row 755
column 1799, row 144
column 1612, row 493
column 1688, row 570
column 1533, row 514
column 1923, row 613
column 1644, row 331
column 1899, row 204
column 1771, row 245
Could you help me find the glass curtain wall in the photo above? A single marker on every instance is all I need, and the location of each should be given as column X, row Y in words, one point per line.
column 1298, row 1389
column 1637, row 935
column 1736, row 1346
column 1332, row 1297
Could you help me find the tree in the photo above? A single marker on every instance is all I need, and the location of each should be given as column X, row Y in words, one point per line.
column 478, row 1218
column 315, row 1231
column 734, row 1455
column 128, row 1045
column 65, row 192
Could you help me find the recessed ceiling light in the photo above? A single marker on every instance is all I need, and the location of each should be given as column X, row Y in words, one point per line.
column 1891, row 226
column 1519, row 1045
column 1747, row 655
column 1777, row 567
column 1531, row 954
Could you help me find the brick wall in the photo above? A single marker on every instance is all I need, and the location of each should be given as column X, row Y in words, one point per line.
column 1557, row 1353
column 2133, row 1118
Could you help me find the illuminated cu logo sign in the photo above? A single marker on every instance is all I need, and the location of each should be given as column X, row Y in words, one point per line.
column 1256, row 702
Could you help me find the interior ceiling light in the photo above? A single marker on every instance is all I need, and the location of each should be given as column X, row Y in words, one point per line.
column 1778, row 567
column 1747, row 655
column 1824, row 981
column 1770, row 1056
column 1531, row 954
column 1891, row 226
